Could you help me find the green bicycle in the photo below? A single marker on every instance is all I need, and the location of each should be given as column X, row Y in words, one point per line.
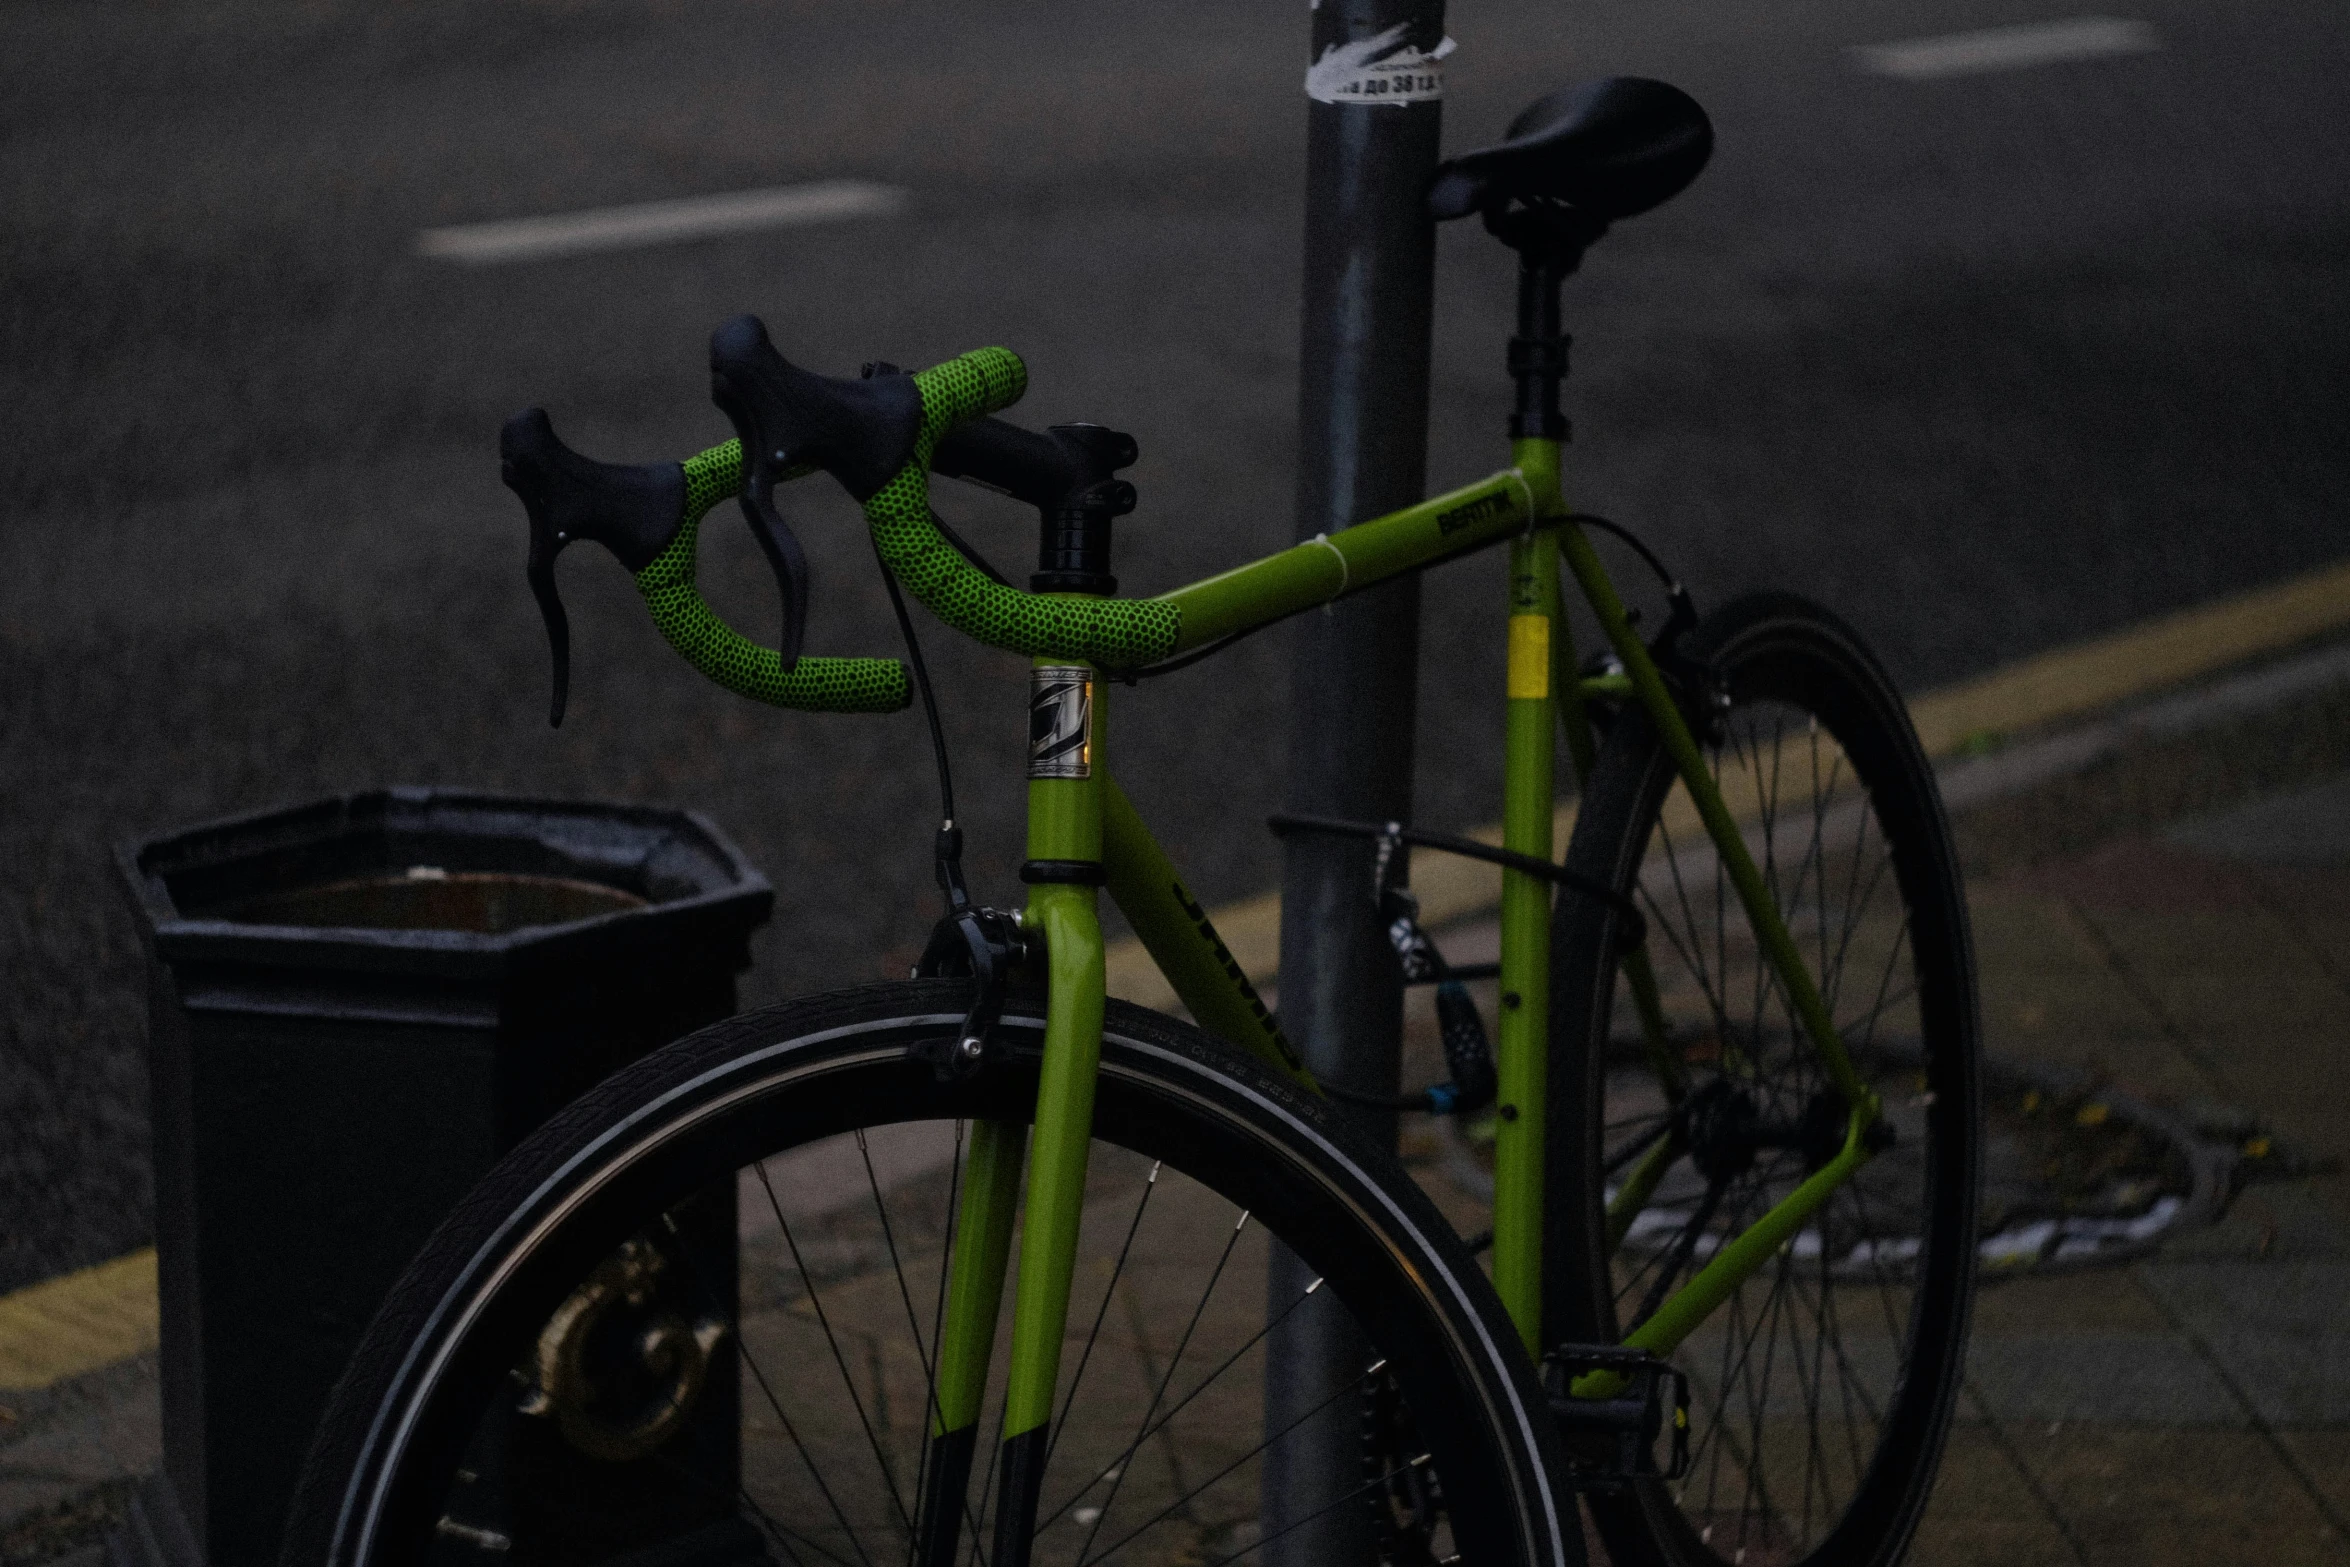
column 746, row 1301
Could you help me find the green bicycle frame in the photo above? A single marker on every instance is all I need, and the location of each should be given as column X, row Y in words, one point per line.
column 1083, row 834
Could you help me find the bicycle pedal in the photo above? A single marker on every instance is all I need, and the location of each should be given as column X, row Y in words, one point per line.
column 1612, row 1404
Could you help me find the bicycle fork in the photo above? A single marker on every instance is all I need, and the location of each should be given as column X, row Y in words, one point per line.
column 1066, row 790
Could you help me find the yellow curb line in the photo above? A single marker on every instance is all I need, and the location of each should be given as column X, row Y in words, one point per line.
column 2029, row 694
column 81, row 1321
column 78, row 1322
column 2136, row 662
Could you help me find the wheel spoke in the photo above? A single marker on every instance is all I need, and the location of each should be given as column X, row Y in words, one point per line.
column 807, row 1459
column 832, row 1341
column 1200, row 1387
column 1629, row 1151
column 1689, row 955
column 1093, row 1334
column 1159, row 1392
column 890, row 1240
column 1375, row 1483
column 1678, row 1254
column 718, row 1302
column 1756, row 1494
column 782, row 1536
column 1351, row 1385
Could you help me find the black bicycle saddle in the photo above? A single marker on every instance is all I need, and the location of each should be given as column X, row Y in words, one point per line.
column 1613, row 148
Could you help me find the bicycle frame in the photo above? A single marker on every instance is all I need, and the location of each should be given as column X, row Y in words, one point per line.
column 1081, row 820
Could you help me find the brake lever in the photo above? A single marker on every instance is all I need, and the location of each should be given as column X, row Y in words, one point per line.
column 790, row 420
column 785, row 558
column 633, row 511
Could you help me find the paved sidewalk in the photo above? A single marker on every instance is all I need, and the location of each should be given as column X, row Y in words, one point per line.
column 2193, row 1406
column 2173, row 917
column 70, row 1456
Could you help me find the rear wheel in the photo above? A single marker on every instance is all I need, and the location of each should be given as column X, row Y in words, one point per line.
column 1822, row 1389
column 704, row 1303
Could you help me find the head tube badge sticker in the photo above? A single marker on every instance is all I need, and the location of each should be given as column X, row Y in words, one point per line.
column 1060, row 721
column 1380, row 69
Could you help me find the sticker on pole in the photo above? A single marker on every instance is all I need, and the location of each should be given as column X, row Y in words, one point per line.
column 1383, row 68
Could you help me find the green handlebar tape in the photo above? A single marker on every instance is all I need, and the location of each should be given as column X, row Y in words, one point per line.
column 819, row 685
column 1111, row 633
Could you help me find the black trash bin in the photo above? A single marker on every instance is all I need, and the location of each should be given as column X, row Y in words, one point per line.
column 356, row 1007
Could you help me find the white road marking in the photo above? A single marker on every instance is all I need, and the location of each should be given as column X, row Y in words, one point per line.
column 2006, row 48
column 661, row 222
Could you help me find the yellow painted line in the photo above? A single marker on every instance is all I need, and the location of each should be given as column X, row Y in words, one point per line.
column 78, row 1322
column 2074, row 681
column 2033, row 693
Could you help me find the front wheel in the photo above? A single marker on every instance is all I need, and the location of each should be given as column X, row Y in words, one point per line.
column 1823, row 1387
column 701, row 1308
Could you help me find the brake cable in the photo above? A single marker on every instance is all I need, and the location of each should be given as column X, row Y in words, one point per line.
column 984, row 944
column 947, row 847
column 964, row 549
column 1672, row 584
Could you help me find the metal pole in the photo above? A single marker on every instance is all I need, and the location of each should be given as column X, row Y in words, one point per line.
column 1362, row 437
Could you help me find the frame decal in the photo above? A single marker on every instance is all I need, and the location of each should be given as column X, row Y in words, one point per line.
column 1060, row 721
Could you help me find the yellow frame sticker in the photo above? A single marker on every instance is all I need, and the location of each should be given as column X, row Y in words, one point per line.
column 1529, row 657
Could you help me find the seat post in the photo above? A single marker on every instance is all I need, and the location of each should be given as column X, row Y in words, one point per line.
column 1538, row 353
column 1550, row 238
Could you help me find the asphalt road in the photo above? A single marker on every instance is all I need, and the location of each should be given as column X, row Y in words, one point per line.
column 1987, row 363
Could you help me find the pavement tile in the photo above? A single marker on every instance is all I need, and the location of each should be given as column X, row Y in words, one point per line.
column 2237, row 975
column 2265, row 1032
column 2051, row 1305
column 2297, row 827
column 1971, row 1542
column 2315, row 905
column 2253, row 1230
column 2152, row 1497
column 2050, row 997
column 2281, row 1330
column 2229, row 979
column 2325, row 1457
column 2142, row 1541
column 2312, row 1215
column 2300, row 1300
column 2042, row 984
column 1983, row 1511
column 2140, row 1377
column 77, row 1436
column 107, row 1442
column 2137, row 875
column 70, row 1531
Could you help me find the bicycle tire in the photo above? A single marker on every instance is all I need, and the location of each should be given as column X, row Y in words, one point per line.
column 1817, row 756
column 790, row 1082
